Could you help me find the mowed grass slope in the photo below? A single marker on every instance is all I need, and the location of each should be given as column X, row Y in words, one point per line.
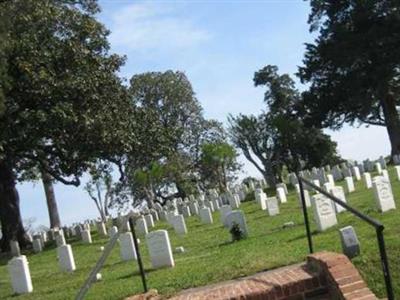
column 210, row 257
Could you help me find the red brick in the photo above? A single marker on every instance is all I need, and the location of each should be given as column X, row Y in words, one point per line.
column 352, row 287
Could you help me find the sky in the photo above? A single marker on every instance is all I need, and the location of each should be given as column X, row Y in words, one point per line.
column 219, row 45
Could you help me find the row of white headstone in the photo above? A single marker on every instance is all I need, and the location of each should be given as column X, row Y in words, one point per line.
column 18, row 266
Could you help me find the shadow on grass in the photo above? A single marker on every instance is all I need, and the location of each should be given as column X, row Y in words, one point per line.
column 137, row 273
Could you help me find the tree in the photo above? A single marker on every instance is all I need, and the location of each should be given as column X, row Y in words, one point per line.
column 298, row 145
column 65, row 106
column 54, row 216
column 353, row 65
column 279, row 137
column 256, row 139
column 163, row 162
column 100, row 187
column 218, row 165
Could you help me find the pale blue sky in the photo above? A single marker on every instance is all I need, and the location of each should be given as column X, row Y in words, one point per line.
column 219, row 45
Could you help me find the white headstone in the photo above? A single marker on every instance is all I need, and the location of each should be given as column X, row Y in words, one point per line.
column 216, row 204
column 37, row 245
column 327, row 186
column 141, row 226
column 186, row 211
column 149, row 220
column 306, row 198
column 397, row 172
column 112, row 231
column 349, row 184
column 154, row 213
column 331, row 180
column 356, row 172
column 160, row 249
column 20, row 276
column 297, row 188
column 272, row 206
column 66, row 258
column 280, row 193
column 338, row 192
column 163, row 215
column 205, row 215
column 178, row 222
column 224, row 211
column 14, row 247
column 283, row 185
column 262, row 200
column 210, row 205
column 367, row 180
column 60, row 240
column 194, row 208
column 316, row 182
column 127, row 247
column 234, row 201
column 86, row 236
column 101, row 228
column 383, row 194
column 350, row 243
column 324, row 214
column 378, row 168
column 237, row 217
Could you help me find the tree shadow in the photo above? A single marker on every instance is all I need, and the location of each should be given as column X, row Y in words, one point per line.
column 137, row 273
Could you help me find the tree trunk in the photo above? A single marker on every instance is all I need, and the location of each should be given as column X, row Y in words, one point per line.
column 392, row 120
column 51, row 200
column 269, row 177
column 101, row 212
column 10, row 214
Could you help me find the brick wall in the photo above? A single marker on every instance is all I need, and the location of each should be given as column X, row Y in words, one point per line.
column 343, row 279
column 325, row 276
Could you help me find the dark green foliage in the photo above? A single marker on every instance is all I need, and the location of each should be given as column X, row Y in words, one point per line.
column 218, row 165
column 64, row 104
column 165, row 161
column 236, row 232
column 353, row 65
column 279, row 137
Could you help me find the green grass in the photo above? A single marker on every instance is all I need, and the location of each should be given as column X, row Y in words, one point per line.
column 210, row 257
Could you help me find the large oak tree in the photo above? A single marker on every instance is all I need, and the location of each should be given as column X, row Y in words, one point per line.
column 353, row 66
column 64, row 105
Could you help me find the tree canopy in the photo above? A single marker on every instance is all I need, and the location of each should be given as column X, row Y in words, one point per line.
column 279, row 137
column 353, row 65
column 164, row 160
column 218, row 165
column 64, row 105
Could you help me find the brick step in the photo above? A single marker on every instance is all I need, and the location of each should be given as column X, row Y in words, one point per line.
column 293, row 282
column 324, row 276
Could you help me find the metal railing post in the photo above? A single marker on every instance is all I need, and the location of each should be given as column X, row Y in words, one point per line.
column 305, row 214
column 376, row 224
column 139, row 258
column 384, row 262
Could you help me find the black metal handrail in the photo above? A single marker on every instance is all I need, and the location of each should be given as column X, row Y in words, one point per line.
column 139, row 258
column 376, row 224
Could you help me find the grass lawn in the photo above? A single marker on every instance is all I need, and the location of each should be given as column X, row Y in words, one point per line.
column 209, row 256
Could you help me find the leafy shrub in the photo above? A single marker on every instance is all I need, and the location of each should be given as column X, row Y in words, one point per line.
column 236, row 232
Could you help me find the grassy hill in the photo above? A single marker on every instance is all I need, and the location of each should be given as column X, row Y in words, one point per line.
column 210, row 257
